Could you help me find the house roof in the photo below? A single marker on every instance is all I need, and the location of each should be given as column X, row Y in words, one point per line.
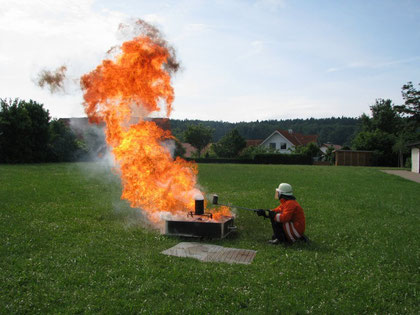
column 335, row 146
column 80, row 122
column 414, row 144
column 253, row 142
column 163, row 123
column 298, row 138
column 189, row 149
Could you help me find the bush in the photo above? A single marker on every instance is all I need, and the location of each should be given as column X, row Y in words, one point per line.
column 381, row 143
column 251, row 151
column 199, row 136
column 283, row 159
column 64, row 145
column 312, row 150
column 179, row 149
column 381, row 158
column 221, row 160
column 260, row 159
column 27, row 135
column 24, row 131
column 230, row 145
column 408, row 163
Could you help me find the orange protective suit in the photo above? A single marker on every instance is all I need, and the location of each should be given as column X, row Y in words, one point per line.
column 290, row 214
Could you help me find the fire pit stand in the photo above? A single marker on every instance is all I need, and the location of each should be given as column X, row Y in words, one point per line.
column 200, row 224
column 200, row 228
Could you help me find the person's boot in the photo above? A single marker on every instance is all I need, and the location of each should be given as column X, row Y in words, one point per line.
column 274, row 241
column 304, row 238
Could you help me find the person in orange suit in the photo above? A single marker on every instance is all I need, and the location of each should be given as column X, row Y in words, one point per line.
column 288, row 219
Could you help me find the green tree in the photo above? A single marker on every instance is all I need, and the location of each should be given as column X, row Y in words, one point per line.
column 329, row 155
column 311, row 149
column 24, row 131
column 379, row 141
column 179, row 149
column 64, row 145
column 337, row 130
column 384, row 117
column 373, row 140
column 411, row 106
column 251, row 151
column 230, row 144
column 198, row 136
column 380, row 132
column 400, row 147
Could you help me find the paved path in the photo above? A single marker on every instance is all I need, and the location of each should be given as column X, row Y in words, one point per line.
column 415, row 177
column 211, row 253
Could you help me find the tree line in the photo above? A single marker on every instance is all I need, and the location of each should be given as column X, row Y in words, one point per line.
column 390, row 127
column 387, row 131
column 29, row 135
column 337, row 130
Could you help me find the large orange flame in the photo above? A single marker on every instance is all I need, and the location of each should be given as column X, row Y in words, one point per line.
column 116, row 90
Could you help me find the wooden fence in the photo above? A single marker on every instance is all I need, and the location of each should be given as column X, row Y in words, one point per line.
column 353, row 158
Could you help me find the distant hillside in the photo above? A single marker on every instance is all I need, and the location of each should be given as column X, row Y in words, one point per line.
column 334, row 130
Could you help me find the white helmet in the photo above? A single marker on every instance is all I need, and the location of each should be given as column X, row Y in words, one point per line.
column 285, row 189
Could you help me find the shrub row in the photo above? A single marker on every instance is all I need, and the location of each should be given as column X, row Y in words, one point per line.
column 221, row 160
column 260, row 159
column 283, row 159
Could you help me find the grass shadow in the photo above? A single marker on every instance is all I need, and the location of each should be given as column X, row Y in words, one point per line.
column 311, row 246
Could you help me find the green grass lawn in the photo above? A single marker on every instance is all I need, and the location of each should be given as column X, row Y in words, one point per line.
column 68, row 245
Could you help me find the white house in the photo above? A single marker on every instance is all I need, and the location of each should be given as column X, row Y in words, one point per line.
column 415, row 157
column 284, row 141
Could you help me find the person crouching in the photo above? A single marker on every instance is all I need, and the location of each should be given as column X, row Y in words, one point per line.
column 288, row 219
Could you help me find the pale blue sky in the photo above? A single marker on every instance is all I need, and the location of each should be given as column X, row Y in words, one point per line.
column 242, row 60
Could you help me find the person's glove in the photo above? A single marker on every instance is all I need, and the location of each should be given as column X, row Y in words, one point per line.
column 272, row 214
column 261, row 212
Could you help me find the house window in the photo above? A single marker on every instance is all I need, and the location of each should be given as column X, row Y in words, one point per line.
column 283, row 146
column 272, row 145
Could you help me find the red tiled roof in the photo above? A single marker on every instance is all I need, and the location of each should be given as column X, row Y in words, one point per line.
column 298, row 138
column 189, row 149
column 163, row 123
column 253, row 142
column 206, row 148
column 414, row 144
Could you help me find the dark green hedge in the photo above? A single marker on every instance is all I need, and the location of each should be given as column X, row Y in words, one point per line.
column 260, row 159
column 282, row 159
column 221, row 160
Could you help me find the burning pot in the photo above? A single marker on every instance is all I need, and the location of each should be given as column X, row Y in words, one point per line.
column 199, row 205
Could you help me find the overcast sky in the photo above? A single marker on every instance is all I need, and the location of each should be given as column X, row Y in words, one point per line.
column 241, row 60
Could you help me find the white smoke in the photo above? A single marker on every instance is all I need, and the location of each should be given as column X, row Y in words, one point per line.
column 169, row 146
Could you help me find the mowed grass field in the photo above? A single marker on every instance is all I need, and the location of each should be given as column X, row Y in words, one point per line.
column 69, row 245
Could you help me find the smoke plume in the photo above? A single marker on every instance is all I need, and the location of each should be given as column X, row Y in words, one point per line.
column 142, row 28
column 54, row 79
